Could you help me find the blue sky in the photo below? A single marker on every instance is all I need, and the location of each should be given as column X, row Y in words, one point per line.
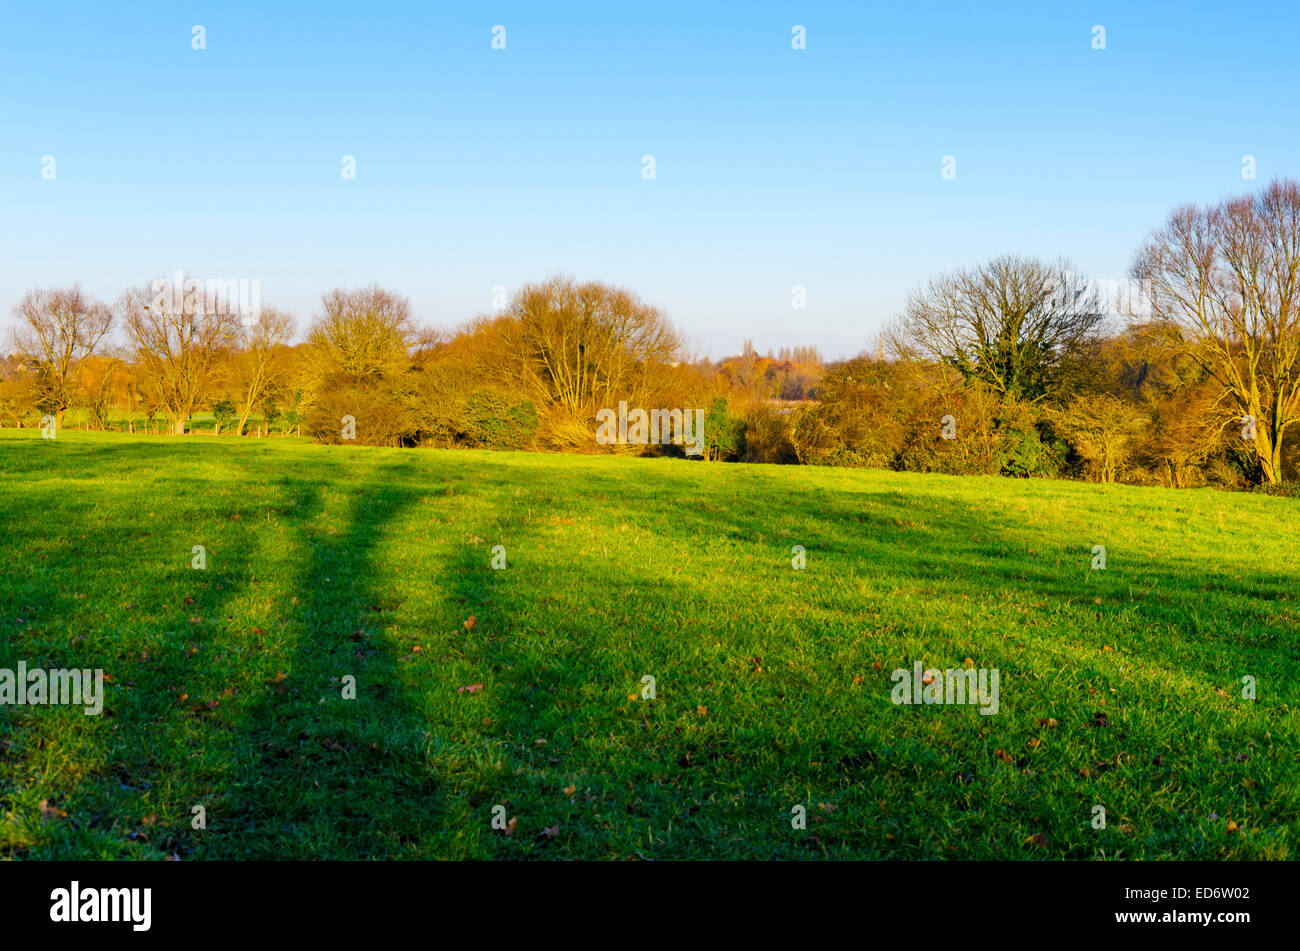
column 475, row 167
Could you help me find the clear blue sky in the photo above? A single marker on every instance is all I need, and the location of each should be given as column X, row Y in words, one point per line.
column 476, row 167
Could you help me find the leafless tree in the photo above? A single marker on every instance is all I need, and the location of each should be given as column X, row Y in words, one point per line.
column 258, row 362
column 178, row 333
column 577, row 345
column 1225, row 280
column 57, row 329
column 362, row 334
column 1014, row 323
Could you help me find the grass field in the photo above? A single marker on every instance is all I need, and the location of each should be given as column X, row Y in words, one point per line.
column 1119, row 687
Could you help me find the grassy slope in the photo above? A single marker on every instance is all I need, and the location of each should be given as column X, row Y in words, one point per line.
column 324, row 562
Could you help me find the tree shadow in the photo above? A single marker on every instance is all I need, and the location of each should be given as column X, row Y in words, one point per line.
column 333, row 760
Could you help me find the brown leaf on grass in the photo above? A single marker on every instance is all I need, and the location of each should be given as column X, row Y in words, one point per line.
column 570, row 790
column 876, row 666
column 1085, row 772
column 758, row 665
column 51, row 812
column 149, row 819
column 1033, row 743
column 510, row 826
column 189, row 600
column 702, row 710
column 470, row 622
column 257, row 631
column 549, row 832
column 1232, row 826
column 1049, row 723
column 857, row 678
column 1037, row 839
column 1003, row 755
column 1100, row 719
column 470, row 688
column 1221, row 692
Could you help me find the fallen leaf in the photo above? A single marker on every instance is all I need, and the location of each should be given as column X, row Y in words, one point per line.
column 470, row 622
column 470, row 688
column 570, row 790
column 702, row 710
column 51, row 812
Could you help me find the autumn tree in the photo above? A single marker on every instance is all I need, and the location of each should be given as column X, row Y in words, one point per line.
column 362, row 334
column 1103, row 431
column 57, row 330
column 1224, row 281
column 258, row 363
column 580, row 346
column 178, row 333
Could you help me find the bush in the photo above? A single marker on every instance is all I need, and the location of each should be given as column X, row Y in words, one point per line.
column 1286, row 490
column 496, row 421
column 768, row 435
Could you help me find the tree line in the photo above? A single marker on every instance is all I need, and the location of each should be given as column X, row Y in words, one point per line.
column 1016, row 366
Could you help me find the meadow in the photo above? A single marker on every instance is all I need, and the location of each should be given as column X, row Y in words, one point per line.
column 522, row 686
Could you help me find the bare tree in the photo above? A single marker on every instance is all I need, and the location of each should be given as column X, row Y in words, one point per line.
column 578, row 345
column 362, row 334
column 57, row 330
column 1225, row 281
column 257, row 364
column 178, row 333
column 1014, row 323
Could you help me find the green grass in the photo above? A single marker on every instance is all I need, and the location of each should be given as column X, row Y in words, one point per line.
column 773, row 685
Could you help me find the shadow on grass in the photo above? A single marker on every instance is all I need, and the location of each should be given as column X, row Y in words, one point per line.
column 317, row 774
